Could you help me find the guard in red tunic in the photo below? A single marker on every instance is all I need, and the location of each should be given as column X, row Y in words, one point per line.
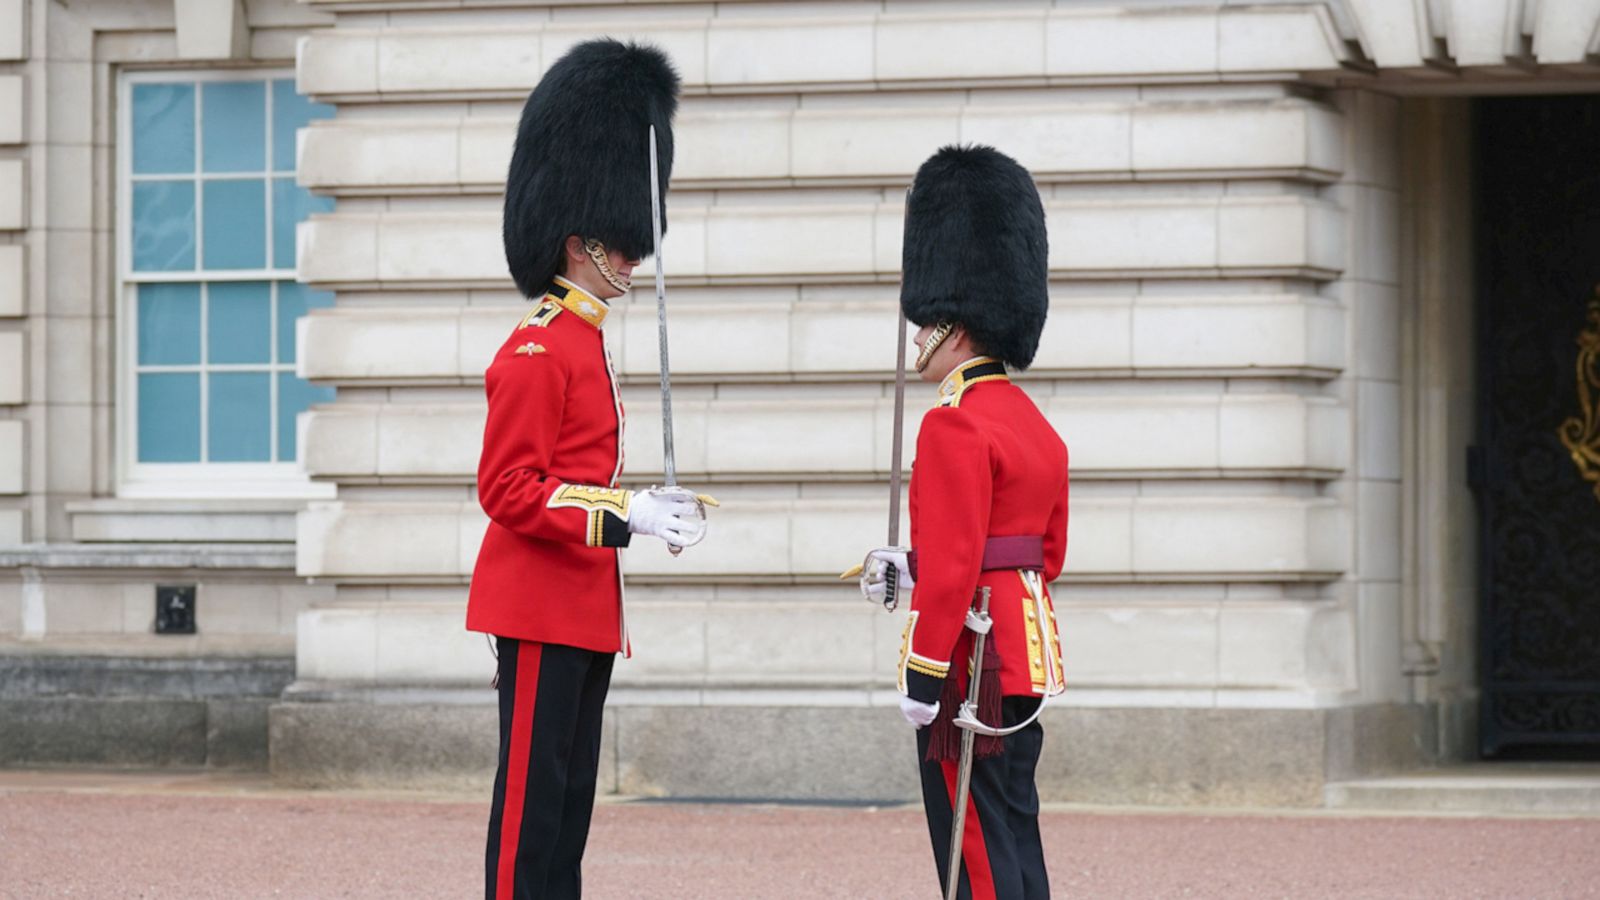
column 548, row 582
column 988, row 510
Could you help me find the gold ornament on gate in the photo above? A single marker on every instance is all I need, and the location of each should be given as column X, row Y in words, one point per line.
column 1581, row 433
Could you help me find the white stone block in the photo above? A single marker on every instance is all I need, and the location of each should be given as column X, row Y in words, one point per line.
column 231, row 607
column 13, row 30
column 11, row 531
column 1288, row 39
column 1277, row 432
column 711, row 339
column 1229, row 537
column 1133, row 234
column 426, row 643
column 13, row 384
column 429, row 441
column 421, row 539
column 11, row 457
column 668, row 637
column 1266, row 645
column 484, row 152
column 1379, row 429
column 396, row 154
column 1137, row 433
column 13, row 283
column 393, row 344
column 748, row 535
column 834, row 143
column 334, row 63
column 342, row 440
column 425, row 61
column 1563, row 31
column 338, row 249
column 797, row 436
column 791, row 51
column 1054, row 139
column 1390, row 32
column 1099, row 537
column 13, row 125
column 1378, row 530
column 787, row 640
column 947, row 47
column 1278, row 232
column 1276, row 332
column 725, row 146
column 1102, row 42
column 436, row 248
column 832, row 337
column 797, row 240
column 337, row 644
column 13, row 208
column 1086, row 337
column 1235, row 136
column 1476, row 32
column 1374, row 216
column 1151, row 646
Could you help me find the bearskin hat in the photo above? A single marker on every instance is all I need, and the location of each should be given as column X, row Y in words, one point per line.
column 975, row 251
column 582, row 159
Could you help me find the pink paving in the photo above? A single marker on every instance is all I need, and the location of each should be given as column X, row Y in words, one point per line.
column 151, row 836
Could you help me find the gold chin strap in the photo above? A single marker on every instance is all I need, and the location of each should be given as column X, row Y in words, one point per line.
column 931, row 345
column 597, row 253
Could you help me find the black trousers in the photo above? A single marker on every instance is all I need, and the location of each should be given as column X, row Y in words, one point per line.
column 1002, row 856
column 551, row 700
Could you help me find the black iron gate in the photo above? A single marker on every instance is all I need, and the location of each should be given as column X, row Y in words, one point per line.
column 1538, row 462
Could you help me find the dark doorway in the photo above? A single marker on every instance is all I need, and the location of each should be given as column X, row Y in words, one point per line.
column 1537, row 165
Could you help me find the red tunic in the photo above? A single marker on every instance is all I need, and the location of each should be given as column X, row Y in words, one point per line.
column 552, row 453
column 988, row 465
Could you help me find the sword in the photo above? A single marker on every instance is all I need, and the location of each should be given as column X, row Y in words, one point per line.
column 891, row 586
column 980, row 636
column 661, row 325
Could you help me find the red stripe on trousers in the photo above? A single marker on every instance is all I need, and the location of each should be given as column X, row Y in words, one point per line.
column 974, row 851
column 527, row 693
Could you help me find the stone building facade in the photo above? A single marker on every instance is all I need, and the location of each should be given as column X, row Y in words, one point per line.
column 1260, row 352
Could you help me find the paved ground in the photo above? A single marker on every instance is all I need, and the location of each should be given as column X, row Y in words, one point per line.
column 89, row 835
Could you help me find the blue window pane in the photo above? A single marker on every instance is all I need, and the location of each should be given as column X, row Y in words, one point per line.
column 239, row 322
column 163, row 226
column 236, row 224
column 169, row 325
column 295, row 395
column 234, row 117
column 290, row 111
column 294, row 301
column 169, row 417
column 163, row 129
column 291, row 204
column 240, row 424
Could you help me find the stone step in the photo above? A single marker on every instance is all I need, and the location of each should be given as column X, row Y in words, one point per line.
column 1563, row 789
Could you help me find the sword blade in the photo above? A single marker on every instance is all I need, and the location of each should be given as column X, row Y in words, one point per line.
column 964, row 769
column 667, row 457
column 891, row 586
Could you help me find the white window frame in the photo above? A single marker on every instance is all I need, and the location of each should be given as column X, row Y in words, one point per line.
column 243, row 480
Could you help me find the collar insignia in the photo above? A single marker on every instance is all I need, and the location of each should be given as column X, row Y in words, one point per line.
column 577, row 301
column 974, row 371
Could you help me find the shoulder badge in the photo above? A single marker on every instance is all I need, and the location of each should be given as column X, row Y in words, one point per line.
column 541, row 316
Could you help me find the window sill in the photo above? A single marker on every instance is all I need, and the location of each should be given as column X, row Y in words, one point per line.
column 195, row 520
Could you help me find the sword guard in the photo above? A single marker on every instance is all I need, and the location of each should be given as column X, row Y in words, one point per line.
column 979, row 622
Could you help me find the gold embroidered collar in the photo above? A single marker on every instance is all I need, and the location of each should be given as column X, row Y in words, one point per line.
column 577, row 301
column 974, row 371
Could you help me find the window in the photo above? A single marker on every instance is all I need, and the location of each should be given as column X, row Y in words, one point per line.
column 208, row 211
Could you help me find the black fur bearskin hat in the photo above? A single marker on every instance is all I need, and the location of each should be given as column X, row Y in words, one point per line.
column 975, row 251
column 582, row 159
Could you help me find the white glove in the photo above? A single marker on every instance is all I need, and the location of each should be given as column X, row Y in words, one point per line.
column 874, row 573
column 917, row 712
column 675, row 514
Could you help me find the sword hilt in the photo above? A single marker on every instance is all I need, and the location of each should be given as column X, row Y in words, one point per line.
column 891, row 586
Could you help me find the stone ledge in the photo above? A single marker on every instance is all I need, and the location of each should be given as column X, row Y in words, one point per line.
column 1167, row 757
column 149, row 556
